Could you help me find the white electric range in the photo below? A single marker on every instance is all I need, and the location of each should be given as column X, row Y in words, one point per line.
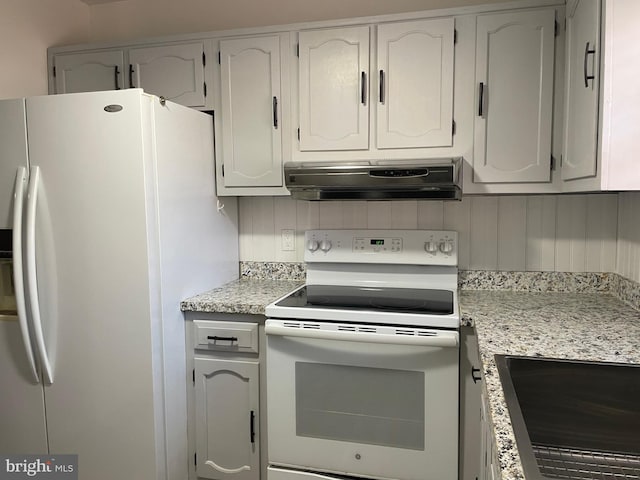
column 363, row 360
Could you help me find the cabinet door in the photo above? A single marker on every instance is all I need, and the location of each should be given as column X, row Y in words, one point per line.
column 514, row 80
column 251, row 112
column 334, row 97
column 175, row 72
column 227, row 419
column 89, row 72
column 582, row 86
column 415, row 84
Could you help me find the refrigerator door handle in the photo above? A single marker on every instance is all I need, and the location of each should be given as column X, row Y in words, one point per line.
column 32, row 282
column 18, row 270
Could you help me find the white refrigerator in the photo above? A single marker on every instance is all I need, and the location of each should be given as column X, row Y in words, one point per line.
column 111, row 199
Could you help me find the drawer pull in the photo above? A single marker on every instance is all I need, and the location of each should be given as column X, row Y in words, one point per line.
column 216, row 338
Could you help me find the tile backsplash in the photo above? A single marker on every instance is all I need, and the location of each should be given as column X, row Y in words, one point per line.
column 564, row 233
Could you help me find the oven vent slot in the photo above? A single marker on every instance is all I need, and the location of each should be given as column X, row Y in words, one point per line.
column 415, row 333
column 347, row 328
column 311, row 326
column 368, row 329
column 291, row 325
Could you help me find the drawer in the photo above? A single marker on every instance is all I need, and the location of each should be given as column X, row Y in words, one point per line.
column 226, row 336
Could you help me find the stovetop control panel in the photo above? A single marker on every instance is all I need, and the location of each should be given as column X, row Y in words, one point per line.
column 418, row 247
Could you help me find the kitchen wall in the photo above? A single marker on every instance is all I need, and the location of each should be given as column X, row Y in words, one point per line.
column 139, row 18
column 568, row 233
column 27, row 29
column 628, row 261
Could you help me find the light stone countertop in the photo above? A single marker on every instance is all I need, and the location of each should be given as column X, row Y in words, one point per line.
column 240, row 296
column 581, row 326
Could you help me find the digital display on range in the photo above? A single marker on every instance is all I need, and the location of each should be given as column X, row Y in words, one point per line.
column 377, row 242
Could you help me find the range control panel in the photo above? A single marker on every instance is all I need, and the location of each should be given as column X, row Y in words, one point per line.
column 417, row 247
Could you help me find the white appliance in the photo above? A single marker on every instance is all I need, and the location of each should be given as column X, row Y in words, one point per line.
column 111, row 199
column 363, row 361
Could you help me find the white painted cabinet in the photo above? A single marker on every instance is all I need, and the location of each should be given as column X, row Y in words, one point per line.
column 602, row 119
column 334, row 89
column 89, row 72
column 415, row 84
column 514, row 99
column 582, row 86
column 405, row 100
column 175, row 72
column 250, row 114
column 227, row 407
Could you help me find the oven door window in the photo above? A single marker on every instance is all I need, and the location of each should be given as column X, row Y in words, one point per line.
column 364, row 405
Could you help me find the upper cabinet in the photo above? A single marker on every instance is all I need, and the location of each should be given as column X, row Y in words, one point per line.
column 514, row 101
column 404, row 100
column 250, row 115
column 175, row 72
column 415, row 84
column 89, row 72
column 601, row 131
column 334, row 91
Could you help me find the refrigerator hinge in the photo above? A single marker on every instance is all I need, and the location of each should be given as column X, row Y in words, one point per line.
column 204, row 59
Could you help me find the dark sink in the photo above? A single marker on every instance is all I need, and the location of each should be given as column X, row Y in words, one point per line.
column 574, row 419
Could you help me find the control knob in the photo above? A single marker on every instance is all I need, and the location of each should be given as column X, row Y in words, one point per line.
column 430, row 246
column 312, row 245
column 325, row 245
column 446, row 247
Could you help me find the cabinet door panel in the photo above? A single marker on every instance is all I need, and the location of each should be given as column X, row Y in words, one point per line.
column 581, row 114
column 334, row 68
column 514, row 76
column 89, row 72
column 415, row 84
column 175, row 72
column 251, row 132
column 226, row 416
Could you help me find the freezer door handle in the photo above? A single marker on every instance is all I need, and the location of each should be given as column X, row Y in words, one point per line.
column 18, row 270
column 32, row 282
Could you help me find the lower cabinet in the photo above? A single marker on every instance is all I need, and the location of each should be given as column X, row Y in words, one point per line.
column 226, row 422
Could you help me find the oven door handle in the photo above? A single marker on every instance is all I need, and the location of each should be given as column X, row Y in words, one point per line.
column 439, row 339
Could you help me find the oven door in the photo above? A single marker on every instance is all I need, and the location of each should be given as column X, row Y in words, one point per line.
column 363, row 400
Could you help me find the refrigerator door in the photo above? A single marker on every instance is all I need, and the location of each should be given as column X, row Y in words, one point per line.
column 92, row 266
column 13, row 154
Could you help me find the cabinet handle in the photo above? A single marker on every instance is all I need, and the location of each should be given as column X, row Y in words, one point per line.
column 252, row 426
column 275, row 112
column 117, row 77
column 587, row 52
column 382, row 87
column 215, row 338
column 481, row 111
column 131, row 71
column 475, row 378
column 363, row 88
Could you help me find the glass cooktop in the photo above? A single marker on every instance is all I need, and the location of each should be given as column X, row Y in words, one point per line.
column 405, row 300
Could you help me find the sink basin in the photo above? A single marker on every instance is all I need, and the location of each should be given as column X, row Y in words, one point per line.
column 573, row 419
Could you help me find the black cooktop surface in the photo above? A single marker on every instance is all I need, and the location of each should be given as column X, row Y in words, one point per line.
column 403, row 300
